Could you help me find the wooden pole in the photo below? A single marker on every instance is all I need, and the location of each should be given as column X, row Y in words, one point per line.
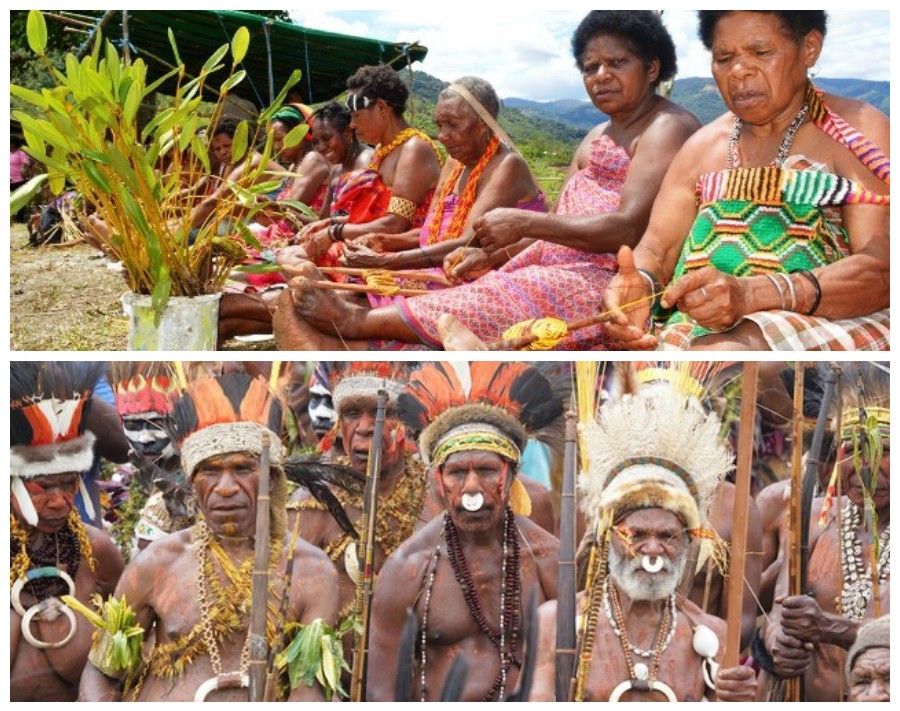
column 566, row 575
column 794, row 685
column 259, row 648
column 738, row 561
column 365, row 587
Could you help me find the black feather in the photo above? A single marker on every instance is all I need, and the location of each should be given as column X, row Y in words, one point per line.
column 315, row 475
column 455, row 681
column 35, row 380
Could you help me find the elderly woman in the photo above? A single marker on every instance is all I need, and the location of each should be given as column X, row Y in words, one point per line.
column 606, row 201
column 771, row 229
column 483, row 174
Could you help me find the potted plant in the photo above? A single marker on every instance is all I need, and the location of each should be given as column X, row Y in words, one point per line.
column 85, row 133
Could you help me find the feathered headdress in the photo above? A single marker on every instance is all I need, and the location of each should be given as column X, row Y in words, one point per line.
column 231, row 413
column 484, row 406
column 49, row 405
column 654, row 448
column 224, row 414
column 352, row 381
column 143, row 389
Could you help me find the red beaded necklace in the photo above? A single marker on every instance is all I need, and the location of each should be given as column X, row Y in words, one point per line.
column 466, row 200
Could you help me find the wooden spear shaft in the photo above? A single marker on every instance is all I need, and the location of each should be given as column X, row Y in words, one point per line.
column 365, row 587
column 259, row 648
column 566, row 577
column 794, row 685
column 738, row 561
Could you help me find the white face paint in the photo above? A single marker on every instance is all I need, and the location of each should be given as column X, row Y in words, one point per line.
column 652, row 564
column 473, row 502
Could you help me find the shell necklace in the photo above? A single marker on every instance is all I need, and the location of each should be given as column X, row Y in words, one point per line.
column 734, row 139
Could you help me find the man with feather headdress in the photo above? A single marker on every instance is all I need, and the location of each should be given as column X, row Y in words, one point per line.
column 191, row 589
column 651, row 464
column 849, row 564
column 52, row 552
column 467, row 573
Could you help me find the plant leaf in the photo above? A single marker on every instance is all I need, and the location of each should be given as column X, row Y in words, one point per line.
column 36, row 30
column 232, row 81
column 215, row 58
column 295, row 135
column 240, row 142
column 240, row 43
column 32, row 97
column 279, row 100
column 174, row 47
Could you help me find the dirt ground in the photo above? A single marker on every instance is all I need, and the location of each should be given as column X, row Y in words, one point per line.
column 63, row 298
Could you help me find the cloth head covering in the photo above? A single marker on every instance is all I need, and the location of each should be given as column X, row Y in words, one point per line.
column 49, row 406
column 296, row 114
column 874, row 634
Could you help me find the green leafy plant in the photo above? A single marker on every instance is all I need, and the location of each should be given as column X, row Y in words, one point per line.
column 316, row 654
column 118, row 637
column 85, row 133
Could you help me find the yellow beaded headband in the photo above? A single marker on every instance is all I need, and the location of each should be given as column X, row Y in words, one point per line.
column 475, row 437
column 852, row 425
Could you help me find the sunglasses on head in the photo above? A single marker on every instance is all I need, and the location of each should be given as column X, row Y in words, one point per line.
column 358, row 102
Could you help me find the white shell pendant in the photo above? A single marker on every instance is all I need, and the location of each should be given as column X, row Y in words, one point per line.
column 351, row 563
column 473, row 502
column 652, row 565
column 706, row 644
column 641, row 671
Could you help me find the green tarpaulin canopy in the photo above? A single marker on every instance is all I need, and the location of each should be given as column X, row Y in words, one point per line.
column 325, row 58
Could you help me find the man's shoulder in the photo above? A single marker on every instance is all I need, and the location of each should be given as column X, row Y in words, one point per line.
column 420, row 545
column 541, row 540
column 166, row 550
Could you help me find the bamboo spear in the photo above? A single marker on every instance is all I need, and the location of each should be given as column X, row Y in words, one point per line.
column 794, row 685
column 364, row 588
column 566, row 577
column 738, row 561
column 259, row 648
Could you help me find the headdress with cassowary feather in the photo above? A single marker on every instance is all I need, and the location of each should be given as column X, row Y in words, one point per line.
column 478, row 406
column 655, row 448
column 48, row 410
column 227, row 414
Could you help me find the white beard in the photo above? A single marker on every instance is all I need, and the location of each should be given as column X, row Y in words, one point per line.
column 630, row 577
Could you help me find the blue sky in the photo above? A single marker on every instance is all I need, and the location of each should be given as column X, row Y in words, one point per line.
column 526, row 55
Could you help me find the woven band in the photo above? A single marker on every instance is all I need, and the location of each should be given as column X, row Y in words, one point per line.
column 475, row 436
column 227, row 438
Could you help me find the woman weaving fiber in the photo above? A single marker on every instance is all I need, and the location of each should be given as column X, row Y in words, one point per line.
column 783, row 202
column 617, row 171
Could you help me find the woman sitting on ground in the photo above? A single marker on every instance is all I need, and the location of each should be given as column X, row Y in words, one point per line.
column 483, row 174
column 394, row 193
column 606, row 201
column 334, row 138
column 772, row 228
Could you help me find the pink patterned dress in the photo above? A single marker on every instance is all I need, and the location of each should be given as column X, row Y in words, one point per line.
column 546, row 279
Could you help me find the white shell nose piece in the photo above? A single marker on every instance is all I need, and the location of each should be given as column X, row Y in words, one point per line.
column 472, row 502
column 652, row 565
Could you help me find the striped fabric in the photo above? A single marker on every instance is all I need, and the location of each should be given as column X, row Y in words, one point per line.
column 753, row 221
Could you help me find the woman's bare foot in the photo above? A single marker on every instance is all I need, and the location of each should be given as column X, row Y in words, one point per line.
column 292, row 333
column 457, row 337
column 323, row 308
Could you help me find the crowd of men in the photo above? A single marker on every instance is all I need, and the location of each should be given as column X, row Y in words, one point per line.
column 375, row 531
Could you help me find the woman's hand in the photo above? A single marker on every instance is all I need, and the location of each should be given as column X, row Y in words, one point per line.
column 381, row 242
column 713, row 299
column 466, row 264
column 629, row 324
column 292, row 256
column 362, row 257
column 501, row 227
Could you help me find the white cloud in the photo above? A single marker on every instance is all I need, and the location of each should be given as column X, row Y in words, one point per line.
column 525, row 52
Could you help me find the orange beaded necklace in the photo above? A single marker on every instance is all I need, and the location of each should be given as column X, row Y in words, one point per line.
column 466, row 200
column 382, row 152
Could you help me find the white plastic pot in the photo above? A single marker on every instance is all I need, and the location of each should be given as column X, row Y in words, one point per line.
column 189, row 323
